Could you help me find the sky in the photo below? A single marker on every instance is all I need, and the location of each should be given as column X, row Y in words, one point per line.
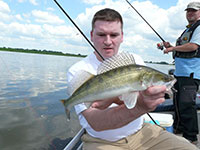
column 41, row 25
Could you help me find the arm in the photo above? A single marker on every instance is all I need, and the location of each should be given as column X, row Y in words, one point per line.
column 188, row 47
column 116, row 117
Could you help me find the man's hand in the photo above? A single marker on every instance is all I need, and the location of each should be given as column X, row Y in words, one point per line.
column 167, row 44
column 101, row 119
column 167, row 50
column 150, row 98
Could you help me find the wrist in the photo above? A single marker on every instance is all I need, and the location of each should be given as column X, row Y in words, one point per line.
column 170, row 49
column 137, row 111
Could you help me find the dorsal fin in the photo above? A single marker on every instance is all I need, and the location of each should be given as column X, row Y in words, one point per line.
column 80, row 78
column 121, row 59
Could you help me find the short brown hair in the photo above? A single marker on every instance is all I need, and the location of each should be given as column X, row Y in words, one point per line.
column 107, row 14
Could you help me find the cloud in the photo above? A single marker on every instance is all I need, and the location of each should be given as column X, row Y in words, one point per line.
column 50, row 9
column 59, row 31
column 21, row 1
column 33, row 2
column 45, row 30
column 18, row 29
column 19, row 17
column 92, row 1
column 138, row 36
column 4, row 17
column 4, row 8
column 46, row 17
column 5, row 12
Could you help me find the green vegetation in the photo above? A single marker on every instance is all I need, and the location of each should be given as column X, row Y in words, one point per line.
column 46, row 52
column 162, row 62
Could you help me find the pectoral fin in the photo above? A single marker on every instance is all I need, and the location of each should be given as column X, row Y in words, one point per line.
column 129, row 99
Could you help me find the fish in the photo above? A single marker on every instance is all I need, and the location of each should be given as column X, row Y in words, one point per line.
column 116, row 76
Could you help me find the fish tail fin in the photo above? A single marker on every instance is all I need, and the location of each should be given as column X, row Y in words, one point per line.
column 63, row 101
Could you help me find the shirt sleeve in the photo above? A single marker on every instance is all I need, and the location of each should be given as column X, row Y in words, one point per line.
column 70, row 75
column 139, row 60
column 79, row 108
column 195, row 37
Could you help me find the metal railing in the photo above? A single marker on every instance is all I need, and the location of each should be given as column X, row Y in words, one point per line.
column 75, row 140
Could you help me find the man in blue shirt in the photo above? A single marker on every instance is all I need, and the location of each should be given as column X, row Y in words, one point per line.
column 186, row 54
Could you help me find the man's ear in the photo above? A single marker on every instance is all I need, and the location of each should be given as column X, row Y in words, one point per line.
column 122, row 36
column 91, row 36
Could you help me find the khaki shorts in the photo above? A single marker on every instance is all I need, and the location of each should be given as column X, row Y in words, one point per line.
column 150, row 137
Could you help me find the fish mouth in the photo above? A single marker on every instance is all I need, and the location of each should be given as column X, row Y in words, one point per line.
column 170, row 83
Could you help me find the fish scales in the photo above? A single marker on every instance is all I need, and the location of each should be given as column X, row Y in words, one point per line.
column 116, row 82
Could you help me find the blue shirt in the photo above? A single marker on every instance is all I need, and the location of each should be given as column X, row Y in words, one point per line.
column 185, row 66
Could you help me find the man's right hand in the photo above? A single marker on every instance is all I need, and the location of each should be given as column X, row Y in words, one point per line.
column 166, row 44
column 150, row 98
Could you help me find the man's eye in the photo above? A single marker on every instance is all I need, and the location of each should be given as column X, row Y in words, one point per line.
column 101, row 34
column 114, row 35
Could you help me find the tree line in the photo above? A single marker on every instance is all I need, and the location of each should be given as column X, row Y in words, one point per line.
column 48, row 52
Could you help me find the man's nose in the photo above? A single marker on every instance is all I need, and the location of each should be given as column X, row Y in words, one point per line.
column 107, row 40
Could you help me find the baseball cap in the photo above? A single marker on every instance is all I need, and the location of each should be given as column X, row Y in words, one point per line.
column 193, row 5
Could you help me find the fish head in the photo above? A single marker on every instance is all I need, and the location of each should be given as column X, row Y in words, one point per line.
column 163, row 77
column 154, row 77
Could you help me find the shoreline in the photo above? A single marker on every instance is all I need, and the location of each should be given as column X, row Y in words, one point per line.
column 57, row 53
column 43, row 52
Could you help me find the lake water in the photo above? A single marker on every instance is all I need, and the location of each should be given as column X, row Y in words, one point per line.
column 31, row 114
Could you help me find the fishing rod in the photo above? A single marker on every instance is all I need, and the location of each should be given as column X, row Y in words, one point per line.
column 78, row 29
column 159, row 46
column 89, row 42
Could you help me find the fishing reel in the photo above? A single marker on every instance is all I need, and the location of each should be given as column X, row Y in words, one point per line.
column 160, row 46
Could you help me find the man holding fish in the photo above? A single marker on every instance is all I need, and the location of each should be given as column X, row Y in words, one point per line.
column 119, row 90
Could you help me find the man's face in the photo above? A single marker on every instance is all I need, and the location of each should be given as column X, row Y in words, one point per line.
column 192, row 15
column 107, row 37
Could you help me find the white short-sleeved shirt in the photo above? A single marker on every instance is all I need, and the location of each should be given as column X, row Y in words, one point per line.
column 90, row 64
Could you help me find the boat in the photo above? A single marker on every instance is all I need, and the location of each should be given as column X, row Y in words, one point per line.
column 76, row 141
column 166, row 107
